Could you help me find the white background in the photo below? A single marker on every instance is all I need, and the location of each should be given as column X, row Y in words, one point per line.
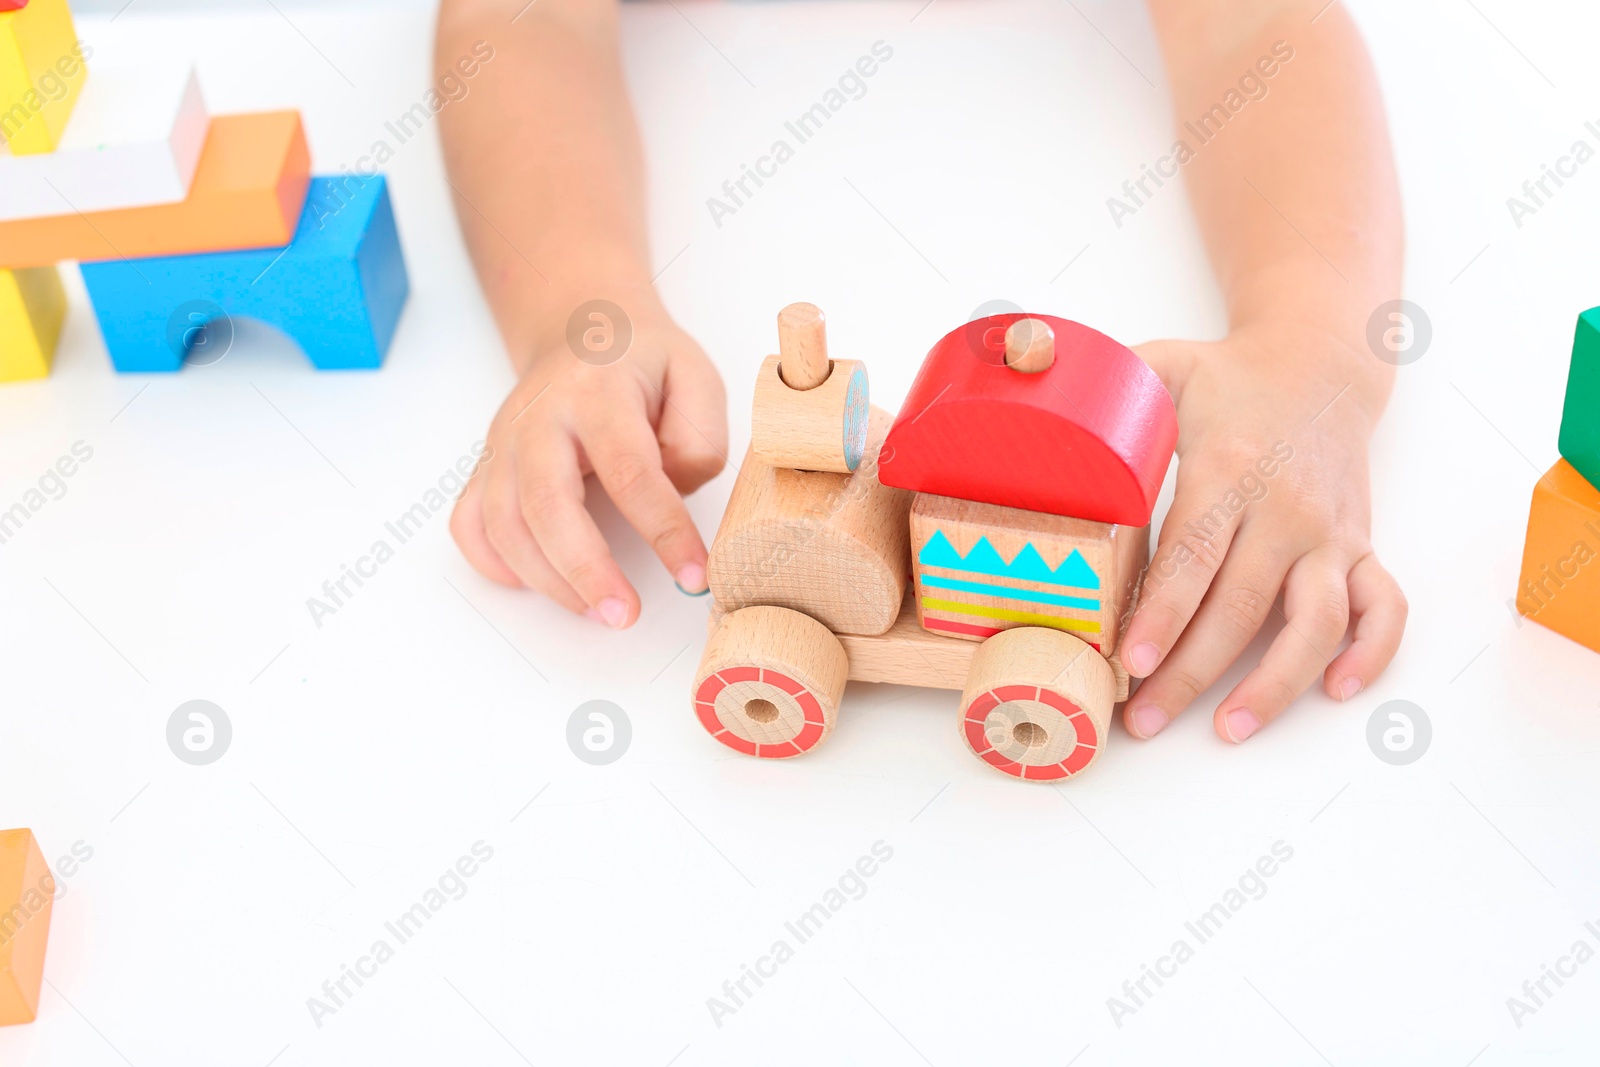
column 370, row 753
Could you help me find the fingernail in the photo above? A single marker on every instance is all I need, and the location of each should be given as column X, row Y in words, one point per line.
column 1349, row 688
column 1148, row 720
column 591, row 613
column 614, row 612
column 1143, row 658
column 1241, row 723
column 691, row 579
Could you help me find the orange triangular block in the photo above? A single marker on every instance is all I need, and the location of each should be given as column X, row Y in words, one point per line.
column 27, row 889
column 1560, row 586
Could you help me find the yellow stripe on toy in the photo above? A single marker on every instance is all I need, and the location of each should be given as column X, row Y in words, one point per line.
column 1027, row 618
column 33, row 305
column 41, row 73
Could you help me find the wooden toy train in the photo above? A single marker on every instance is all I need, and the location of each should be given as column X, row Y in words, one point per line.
column 1013, row 493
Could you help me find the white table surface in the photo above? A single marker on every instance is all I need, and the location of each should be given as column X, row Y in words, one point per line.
column 430, row 713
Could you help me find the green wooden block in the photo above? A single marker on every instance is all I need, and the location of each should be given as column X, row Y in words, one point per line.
column 1580, row 421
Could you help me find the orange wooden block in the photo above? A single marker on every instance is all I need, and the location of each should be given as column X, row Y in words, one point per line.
column 27, row 889
column 1560, row 585
column 247, row 193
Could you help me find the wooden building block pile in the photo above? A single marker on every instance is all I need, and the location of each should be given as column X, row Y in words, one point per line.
column 126, row 172
column 1560, row 583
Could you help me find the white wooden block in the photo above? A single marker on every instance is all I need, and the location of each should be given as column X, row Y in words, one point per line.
column 134, row 139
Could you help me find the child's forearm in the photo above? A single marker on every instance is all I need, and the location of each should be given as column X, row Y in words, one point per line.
column 1295, row 191
column 545, row 161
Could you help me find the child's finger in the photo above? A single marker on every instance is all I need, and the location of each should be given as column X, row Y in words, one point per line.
column 550, row 488
column 693, row 427
column 467, row 528
column 1171, row 360
column 1191, row 549
column 1229, row 618
column 1317, row 610
column 623, row 451
column 1380, row 611
column 508, row 534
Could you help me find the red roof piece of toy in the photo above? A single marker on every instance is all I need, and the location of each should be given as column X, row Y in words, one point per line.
column 13, row 5
column 1089, row 437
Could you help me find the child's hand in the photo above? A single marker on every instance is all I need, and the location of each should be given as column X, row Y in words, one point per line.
column 1272, row 494
column 651, row 426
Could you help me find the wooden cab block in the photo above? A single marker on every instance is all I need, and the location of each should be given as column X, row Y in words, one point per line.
column 336, row 291
column 33, row 306
column 41, row 74
column 769, row 682
column 983, row 568
column 1082, row 427
column 833, row 546
column 247, row 192
column 27, row 891
column 809, row 412
column 1580, row 419
column 134, row 139
column 1037, row 704
column 1560, row 584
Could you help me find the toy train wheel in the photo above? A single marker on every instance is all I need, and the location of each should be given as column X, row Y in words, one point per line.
column 1037, row 703
column 769, row 682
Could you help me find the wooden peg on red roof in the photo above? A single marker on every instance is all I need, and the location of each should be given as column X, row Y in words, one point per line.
column 1030, row 346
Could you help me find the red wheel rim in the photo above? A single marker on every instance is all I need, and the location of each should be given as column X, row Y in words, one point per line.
column 975, row 723
column 803, row 739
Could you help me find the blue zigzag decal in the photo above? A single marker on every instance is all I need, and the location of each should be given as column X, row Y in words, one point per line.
column 1074, row 571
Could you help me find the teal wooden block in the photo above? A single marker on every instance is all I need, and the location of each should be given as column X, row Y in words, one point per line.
column 1580, row 419
column 337, row 290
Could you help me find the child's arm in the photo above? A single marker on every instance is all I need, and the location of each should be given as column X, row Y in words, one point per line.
column 546, row 166
column 1297, row 198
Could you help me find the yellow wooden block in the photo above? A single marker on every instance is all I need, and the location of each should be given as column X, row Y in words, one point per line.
column 33, row 305
column 41, row 73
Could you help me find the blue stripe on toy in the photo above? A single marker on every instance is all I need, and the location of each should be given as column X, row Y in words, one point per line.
column 1010, row 593
column 856, row 415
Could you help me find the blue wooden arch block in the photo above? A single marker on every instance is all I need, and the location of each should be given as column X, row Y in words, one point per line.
column 337, row 290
